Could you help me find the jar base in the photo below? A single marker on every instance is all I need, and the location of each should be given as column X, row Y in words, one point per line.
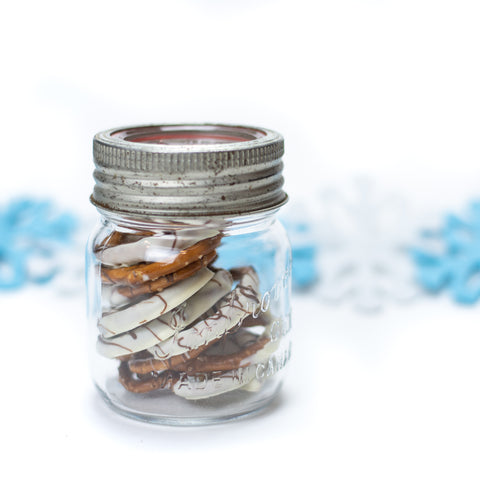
column 165, row 408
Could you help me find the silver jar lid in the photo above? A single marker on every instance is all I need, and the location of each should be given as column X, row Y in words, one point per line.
column 188, row 170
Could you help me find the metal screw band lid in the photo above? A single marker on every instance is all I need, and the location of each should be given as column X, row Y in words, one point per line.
column 188, row 170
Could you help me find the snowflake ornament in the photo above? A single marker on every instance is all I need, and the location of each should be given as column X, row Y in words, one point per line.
column 365, row 238
column 31, row 233
column 449, row 257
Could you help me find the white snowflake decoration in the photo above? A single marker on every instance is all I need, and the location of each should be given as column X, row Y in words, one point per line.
column 364, row 248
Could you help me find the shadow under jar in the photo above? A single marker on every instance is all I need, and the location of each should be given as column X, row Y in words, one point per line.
column 188, row 272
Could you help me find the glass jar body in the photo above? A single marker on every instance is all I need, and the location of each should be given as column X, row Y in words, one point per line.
column 189, row 319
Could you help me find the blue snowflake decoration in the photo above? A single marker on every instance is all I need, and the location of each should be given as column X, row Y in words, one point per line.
column 30, row 233
column 253, row 249
column 454, row 266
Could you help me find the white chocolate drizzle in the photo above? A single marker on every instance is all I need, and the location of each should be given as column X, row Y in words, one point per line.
column 166, row 325
column 160, row 248
column 232, row 309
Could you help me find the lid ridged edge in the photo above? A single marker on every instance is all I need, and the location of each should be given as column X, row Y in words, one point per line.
column 126, row 171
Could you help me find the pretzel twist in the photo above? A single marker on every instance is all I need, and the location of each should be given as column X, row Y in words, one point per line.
column 152, row 364
column 163, row 282
column 218, row 363
column 146, row 380
column 161, row 380
column 146, row 363
column 142, row 272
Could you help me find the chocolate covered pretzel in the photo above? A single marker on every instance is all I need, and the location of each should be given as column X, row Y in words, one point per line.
column 173, row 322
column 226, row 369
column 164, row 325
column 163, row 282
column 148, row 272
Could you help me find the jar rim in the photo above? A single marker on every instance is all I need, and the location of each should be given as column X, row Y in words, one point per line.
column 236, row 137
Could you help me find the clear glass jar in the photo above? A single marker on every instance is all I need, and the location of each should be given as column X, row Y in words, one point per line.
column 189, row 315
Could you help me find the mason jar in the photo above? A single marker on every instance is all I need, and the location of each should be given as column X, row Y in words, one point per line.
column 188, row 272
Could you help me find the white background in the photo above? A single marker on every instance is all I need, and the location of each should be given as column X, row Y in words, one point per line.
column 388, row 89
